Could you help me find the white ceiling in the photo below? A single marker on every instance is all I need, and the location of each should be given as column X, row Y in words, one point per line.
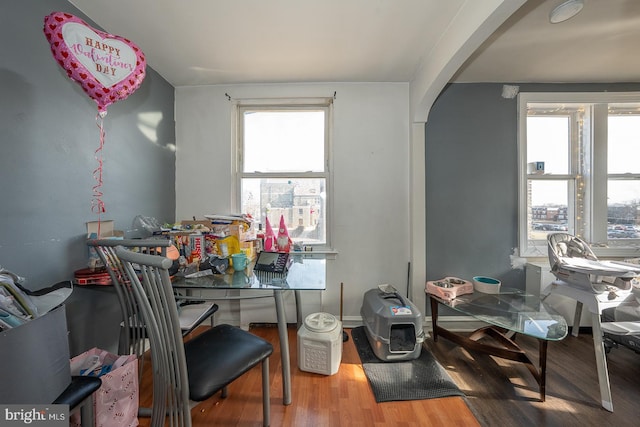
column 600, row 44
column 201, row 42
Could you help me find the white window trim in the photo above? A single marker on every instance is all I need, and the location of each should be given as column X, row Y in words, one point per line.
column 599, row 158
column 286, row 103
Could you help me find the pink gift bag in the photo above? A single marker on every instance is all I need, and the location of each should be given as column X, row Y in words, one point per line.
column 115, row 403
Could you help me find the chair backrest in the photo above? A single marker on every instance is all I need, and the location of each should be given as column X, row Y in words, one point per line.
column 565, row 245
column 132, row 339
column 151, row 287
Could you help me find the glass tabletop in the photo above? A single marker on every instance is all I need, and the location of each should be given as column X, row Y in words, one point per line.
column 306, row 272
column 513, row 310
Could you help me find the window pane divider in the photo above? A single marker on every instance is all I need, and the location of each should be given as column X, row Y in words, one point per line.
column 551, row 177
column 284, row 175
column 623, row 176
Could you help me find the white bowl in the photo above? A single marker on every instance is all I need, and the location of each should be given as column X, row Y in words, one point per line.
column 487, row 285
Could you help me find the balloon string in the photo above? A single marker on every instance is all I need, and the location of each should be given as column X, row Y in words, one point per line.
column 97, row 205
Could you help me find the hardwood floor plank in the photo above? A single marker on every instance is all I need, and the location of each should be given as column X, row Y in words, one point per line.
column 505, row 393
column 498, row 392
column 343, row 399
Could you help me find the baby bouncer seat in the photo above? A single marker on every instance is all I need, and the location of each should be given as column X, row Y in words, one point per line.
column 573, row 262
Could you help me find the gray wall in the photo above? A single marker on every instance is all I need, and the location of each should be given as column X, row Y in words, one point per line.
column 472, row 179
column 48, row 136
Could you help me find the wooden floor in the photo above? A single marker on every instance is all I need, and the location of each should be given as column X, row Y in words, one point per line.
column 501, row 392
column 498, row 392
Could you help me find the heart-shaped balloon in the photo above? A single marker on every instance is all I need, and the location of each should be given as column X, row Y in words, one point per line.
column 109, row 68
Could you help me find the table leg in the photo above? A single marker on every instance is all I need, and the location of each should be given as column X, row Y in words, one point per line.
column 509, row 349
column 542, row 360
column 601, row 363
column 284, row 346
column 576, row 319
column 434, row 318
column 298, row 310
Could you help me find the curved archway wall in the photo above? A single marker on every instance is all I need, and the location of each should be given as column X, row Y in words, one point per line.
column 473, row 24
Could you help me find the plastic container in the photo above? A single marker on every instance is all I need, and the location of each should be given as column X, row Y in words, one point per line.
column 34, row 361
column 487, row 285
column 393, row 326
column 320, row 344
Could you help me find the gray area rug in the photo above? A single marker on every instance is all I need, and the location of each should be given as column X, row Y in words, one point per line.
column 421, row 378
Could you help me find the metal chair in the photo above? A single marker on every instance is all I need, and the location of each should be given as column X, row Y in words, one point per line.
column 78, row 396
column 191, row 371
column 132, row 332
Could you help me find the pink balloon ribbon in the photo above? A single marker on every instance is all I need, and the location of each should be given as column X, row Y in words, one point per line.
column 97, row 205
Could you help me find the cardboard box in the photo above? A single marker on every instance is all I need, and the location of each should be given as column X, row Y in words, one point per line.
column 249, row 248
column 107, row 231
column 34, row 361
column 238, row 229
column 242, row 232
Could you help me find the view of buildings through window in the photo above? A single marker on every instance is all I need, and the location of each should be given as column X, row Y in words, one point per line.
column 299, row 201
column 583, row 173
column 283, row 169
column 548, row 142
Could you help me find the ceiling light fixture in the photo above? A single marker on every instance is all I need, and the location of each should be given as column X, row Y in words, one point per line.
column 565, row 10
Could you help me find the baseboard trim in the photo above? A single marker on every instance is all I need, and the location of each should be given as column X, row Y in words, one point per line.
column 452, row 323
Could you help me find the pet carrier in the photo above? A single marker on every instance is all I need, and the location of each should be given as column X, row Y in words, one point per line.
column 393, row 324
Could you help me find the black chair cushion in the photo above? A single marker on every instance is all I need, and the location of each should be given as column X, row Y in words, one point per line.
column 79, row 389
column 220, row 355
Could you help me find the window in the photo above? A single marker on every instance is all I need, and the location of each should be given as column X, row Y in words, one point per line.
column 283, row 167
column 580, row 170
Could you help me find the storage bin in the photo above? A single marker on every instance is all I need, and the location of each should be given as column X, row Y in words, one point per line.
column 34, row 360
column 320, row 344
column 393, row 326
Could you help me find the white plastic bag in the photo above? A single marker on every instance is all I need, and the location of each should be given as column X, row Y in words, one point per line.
column 115, row 403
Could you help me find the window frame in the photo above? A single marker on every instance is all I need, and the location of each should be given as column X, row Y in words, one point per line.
column 293, row 104
column 593, row 179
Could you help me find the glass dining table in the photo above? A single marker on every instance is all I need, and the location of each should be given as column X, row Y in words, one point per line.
column 507, row 314
column 307, row 272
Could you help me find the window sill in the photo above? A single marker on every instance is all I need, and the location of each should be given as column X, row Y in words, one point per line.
column 330, row 254
column 600, row 252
